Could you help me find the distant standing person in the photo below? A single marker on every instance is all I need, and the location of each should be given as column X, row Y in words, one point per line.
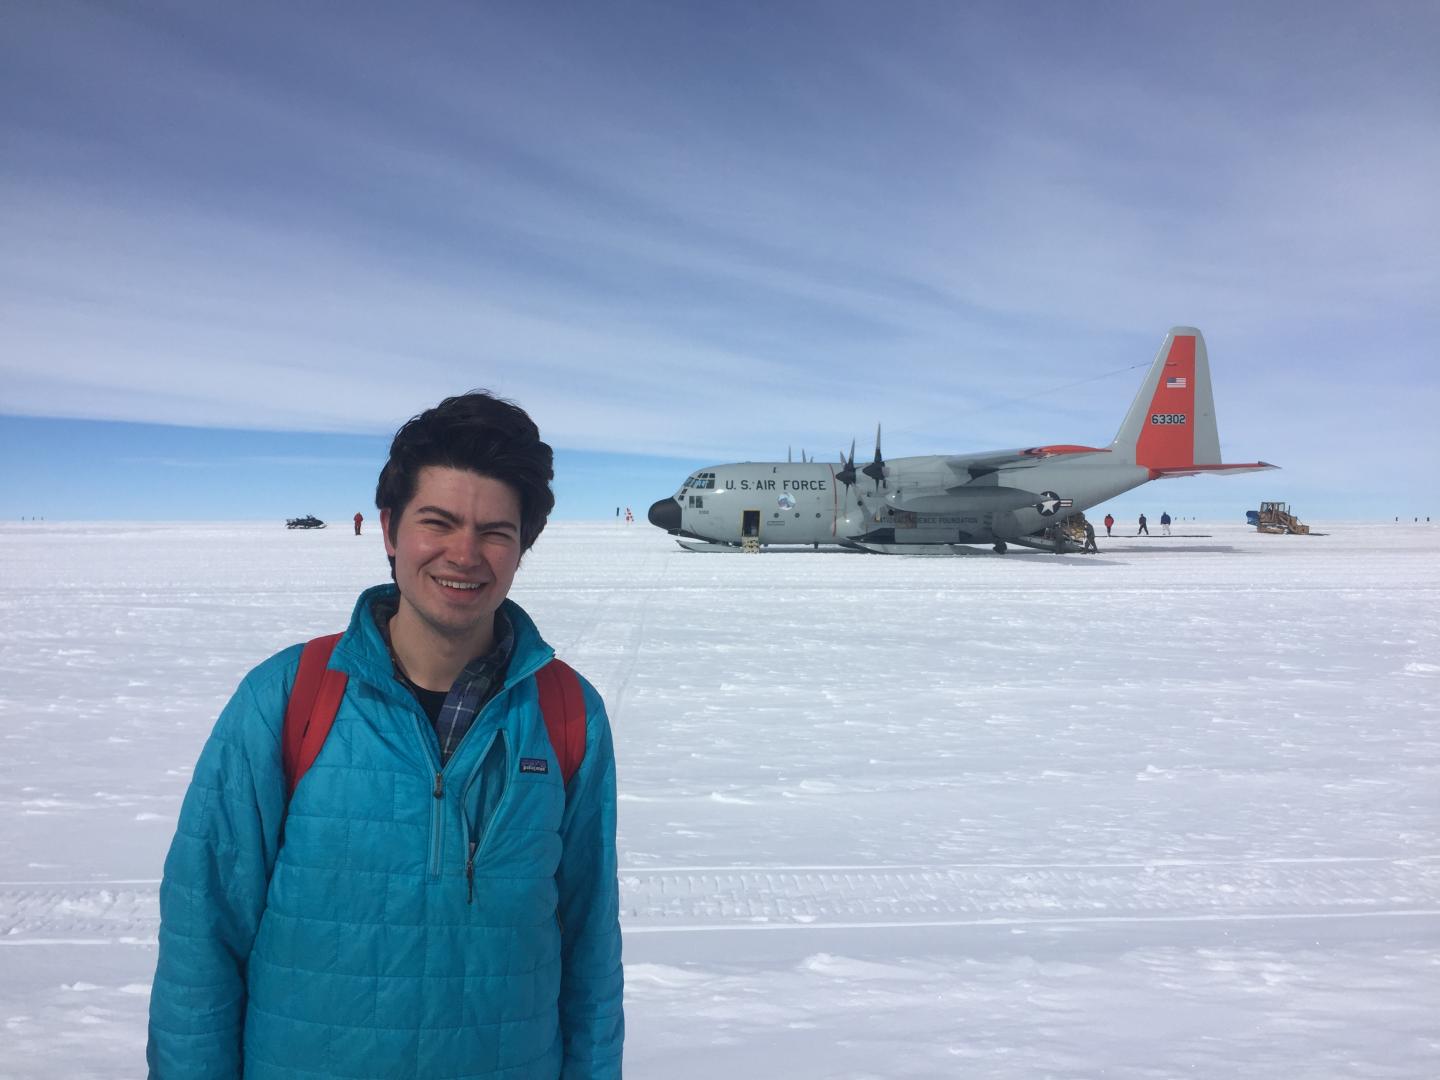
column 1109, row 523
column 1165, row 523
column 359, row 517
column 1089, row 540
column 1144, row 528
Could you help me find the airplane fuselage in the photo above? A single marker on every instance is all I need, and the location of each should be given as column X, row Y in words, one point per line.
column 780, row 503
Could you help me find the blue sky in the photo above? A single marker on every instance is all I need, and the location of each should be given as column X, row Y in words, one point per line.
column 244, row 242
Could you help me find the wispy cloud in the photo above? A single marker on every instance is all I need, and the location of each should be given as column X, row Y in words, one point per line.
column 249, row 461
column 713, row 231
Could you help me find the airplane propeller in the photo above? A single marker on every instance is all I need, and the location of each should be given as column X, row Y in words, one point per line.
column 876, row 469
column 846, row 475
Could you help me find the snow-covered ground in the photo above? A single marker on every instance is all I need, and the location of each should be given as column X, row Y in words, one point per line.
column 1172, row 810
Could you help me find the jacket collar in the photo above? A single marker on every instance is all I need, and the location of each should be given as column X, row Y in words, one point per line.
column 362, row 653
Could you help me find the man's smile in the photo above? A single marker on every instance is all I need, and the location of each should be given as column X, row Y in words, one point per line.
column 452, row 583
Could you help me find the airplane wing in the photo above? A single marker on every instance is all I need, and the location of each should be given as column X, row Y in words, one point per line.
column 1200, row 470
column 982, row 464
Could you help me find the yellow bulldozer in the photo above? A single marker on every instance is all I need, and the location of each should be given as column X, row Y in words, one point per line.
column 1275, row 517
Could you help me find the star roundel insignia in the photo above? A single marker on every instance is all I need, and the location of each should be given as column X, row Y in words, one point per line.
column 1048, row 504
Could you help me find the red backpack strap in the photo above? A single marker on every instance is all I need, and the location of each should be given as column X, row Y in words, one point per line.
column 562, row 703
column 314, row 701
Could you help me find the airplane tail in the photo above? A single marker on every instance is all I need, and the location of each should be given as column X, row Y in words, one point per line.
column 1170, row 428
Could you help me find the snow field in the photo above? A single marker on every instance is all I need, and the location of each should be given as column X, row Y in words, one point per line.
column 1169, row 810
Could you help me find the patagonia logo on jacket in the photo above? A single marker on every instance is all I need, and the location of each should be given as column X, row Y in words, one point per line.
column 534, row 764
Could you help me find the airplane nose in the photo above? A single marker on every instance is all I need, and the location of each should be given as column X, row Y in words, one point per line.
column 666, row 514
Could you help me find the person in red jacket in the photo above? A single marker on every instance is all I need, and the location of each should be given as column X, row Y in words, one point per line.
column 1109, row 523
column 359, row 517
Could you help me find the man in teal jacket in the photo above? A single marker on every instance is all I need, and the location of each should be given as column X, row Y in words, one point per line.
column 434, row 900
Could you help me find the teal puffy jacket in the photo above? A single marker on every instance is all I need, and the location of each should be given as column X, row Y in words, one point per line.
column 344, row 938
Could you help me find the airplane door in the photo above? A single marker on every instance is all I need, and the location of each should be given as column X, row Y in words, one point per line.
column 750, row 523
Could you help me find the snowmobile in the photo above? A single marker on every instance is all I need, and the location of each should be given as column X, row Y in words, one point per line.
column 309, row 521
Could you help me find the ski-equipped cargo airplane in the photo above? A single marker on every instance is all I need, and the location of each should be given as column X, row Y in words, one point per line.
column 934, row 503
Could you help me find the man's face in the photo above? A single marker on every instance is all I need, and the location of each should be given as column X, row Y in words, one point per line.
column 456, row 548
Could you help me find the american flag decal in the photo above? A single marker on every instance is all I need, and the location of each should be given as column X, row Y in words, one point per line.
column 1176, row 382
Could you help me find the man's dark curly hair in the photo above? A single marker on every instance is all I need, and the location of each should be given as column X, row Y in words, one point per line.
column 483, row 434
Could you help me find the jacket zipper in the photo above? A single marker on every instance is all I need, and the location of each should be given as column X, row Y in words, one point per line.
column 470, row 845
column 437, row 792
column 470, row 875
column 437, row 804
column 477, row 844
column 437, row 825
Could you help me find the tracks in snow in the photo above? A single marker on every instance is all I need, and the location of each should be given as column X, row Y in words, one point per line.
column 618, row 620
column 693, row 899
column 69, row 913
column 960, row 895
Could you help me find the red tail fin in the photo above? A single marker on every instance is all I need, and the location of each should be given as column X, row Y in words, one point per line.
column 1170, row 428
column 1167, row 437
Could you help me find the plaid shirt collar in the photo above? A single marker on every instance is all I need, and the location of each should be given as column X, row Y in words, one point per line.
column 473, row 688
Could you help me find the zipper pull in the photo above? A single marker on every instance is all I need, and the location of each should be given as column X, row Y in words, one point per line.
column 470, row 874
column 439, row 791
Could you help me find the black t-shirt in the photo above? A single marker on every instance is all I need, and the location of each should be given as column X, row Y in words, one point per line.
column 432, row 701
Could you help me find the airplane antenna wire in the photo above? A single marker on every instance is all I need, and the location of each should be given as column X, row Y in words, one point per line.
column 1064, row 386
column 1028, row 397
